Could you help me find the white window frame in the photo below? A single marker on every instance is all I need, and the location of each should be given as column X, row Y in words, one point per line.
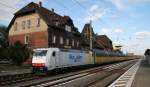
column 67, row 41
column 72, row 42
column 54, row 39
column 61, row 40
column 68, row 28
column 77, row 43
column 56, row 23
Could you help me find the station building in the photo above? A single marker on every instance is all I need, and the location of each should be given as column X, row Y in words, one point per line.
column 38, row 27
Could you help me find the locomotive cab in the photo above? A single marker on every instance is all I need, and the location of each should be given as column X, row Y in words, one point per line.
column 44, row 60
column 39, row 61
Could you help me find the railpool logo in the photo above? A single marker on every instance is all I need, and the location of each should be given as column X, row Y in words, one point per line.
column 75, row 58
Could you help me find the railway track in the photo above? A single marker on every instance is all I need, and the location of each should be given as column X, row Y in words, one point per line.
column 11, row 79
column 74, row 78
column 81, row 79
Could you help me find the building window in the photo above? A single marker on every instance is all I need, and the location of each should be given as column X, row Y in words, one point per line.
column 15, row 26
column 27, row 40
column 23, row 24
column 68, row 28
column 72, row 42
column 78, row 44
column 38, row 22
column 61, row 40
column 54, row 39
column 29, row 23
column 56, row 23
column 67, row 41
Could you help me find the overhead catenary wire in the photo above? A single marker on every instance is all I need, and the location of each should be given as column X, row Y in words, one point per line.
column 83, row 7
column 7, row 6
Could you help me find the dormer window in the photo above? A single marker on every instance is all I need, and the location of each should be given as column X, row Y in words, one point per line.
column 68, row 28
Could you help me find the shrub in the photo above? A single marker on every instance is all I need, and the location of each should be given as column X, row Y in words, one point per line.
column 4, row 53
column 19, row 53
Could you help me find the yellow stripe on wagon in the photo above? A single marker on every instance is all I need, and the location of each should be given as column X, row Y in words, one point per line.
column 88, row 61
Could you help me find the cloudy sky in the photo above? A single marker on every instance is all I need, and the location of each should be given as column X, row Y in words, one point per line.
column 126, row 22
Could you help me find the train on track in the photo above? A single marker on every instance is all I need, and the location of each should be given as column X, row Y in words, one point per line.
column 47, row 59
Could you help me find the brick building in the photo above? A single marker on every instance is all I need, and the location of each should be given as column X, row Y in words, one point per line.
column 38, row 27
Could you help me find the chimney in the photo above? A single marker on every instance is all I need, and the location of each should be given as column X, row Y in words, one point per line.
column 40, row 4
column 52, row 9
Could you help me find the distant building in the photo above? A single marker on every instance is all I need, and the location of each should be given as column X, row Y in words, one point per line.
column 99, row 41
column 86, row 37
column 147, row 56
column 104, row 42
column 38, row 27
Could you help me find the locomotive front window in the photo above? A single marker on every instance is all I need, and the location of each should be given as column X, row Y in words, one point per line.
column 40, row 53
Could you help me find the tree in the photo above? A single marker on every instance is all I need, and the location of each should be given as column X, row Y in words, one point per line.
column 19, row 53
column 3, row 36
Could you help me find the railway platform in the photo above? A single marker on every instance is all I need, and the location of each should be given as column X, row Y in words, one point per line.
column 142, row 77
column 136, row 76
column 12, row 70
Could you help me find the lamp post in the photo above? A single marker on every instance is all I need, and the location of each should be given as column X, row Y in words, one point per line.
column 91, row 41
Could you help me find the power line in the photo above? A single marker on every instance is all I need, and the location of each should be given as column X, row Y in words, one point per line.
column 77, row 2
column 7, row 6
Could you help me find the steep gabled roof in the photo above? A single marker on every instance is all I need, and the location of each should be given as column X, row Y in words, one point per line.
column 86, row 29
column 28, row 8
column 103, row 38
column 50, row 17
column 104, row 41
